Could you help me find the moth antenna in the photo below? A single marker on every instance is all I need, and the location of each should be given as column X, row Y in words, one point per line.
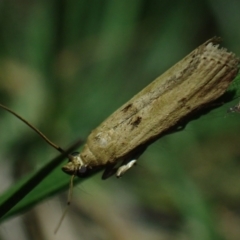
column 61, row 219
column 70, row 190
column 68, row 204
column 33, row 128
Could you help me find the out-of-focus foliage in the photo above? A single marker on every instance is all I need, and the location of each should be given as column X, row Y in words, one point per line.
column 65, row 66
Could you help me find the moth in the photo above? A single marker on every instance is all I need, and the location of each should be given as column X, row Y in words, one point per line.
column 188, row 87
column 197, row 80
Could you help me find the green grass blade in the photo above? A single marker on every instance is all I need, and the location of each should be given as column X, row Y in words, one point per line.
column 20, row 190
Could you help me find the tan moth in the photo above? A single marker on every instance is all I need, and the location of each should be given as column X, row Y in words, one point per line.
column 189, row 86
column 197, row 80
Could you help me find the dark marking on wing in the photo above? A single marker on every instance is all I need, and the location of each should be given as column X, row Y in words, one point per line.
column 127, row 107
column 136, row 121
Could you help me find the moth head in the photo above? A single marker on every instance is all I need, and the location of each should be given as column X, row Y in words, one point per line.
column 75, row 165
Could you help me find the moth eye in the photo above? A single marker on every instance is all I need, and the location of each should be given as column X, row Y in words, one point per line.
column 82, row 169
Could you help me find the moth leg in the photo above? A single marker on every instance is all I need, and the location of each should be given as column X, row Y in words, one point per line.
column 123, row 168
column 110, row 170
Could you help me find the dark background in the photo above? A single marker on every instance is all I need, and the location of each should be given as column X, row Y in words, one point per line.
column 65, row 66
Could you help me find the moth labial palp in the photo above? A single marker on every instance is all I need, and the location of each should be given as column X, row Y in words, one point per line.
column 191, row 85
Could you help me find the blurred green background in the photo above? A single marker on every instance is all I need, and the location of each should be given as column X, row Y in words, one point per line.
column 65, row 66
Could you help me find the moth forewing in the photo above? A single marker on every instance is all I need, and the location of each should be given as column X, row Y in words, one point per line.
column 195, row 81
